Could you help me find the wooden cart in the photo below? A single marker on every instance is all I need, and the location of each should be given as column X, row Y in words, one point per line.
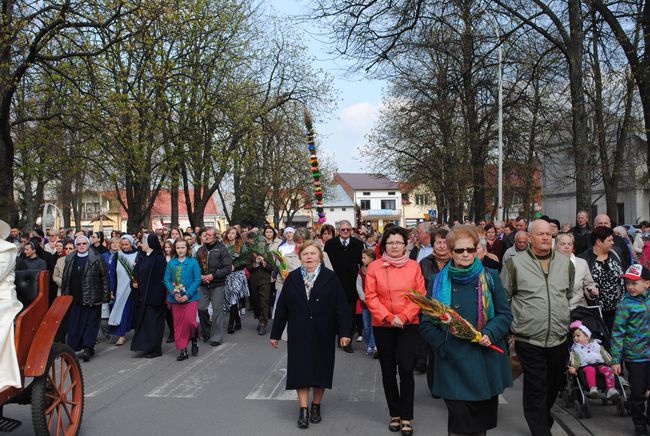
column 51, row 375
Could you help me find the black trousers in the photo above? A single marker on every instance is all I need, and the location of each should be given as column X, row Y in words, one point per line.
column 639, row 377
column 397, row 355
column 543, row 369
column 169, row 319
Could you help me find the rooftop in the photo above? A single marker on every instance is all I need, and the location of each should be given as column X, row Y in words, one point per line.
column 337, row 197
column 360, row 181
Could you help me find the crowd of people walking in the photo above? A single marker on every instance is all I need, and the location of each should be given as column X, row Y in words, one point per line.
column 515, row 283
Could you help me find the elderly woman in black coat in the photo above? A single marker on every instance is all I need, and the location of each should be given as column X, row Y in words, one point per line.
column 314, row 305
column 151, row 295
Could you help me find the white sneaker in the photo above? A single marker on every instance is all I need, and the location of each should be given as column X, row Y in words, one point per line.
column 242, row 311
column 593, row 392
column 359, row 338
column 612, row 394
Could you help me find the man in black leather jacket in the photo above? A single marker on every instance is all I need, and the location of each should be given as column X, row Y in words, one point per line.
column 85, row 278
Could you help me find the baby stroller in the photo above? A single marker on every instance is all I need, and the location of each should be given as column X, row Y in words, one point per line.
column 576, row 392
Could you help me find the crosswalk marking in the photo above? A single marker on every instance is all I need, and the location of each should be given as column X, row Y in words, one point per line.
column 114, row 378
column 271, row 385
column 190, row 381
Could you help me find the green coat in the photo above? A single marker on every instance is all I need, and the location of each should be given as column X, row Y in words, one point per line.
column 467, row 371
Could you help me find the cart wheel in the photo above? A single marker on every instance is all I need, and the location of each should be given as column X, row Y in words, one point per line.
column 58, row 395
column 620, row 407
column 579, row 409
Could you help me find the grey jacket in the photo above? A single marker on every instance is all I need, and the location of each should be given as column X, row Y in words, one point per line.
column 219, row 263
column 539, row 301
column 95, row 283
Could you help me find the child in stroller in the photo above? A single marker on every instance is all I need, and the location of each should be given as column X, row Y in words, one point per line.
column 587, row 355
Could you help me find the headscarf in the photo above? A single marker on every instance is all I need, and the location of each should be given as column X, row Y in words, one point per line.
column 154, row 243
column 130, row 239
column 474, row 274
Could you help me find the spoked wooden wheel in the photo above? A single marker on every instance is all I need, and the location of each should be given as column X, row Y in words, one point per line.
column 58, row 395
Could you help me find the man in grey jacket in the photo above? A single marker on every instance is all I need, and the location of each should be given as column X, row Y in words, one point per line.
column 539, row 284
column 216, row 263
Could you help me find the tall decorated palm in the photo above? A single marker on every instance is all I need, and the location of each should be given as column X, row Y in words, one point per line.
column 315, row 171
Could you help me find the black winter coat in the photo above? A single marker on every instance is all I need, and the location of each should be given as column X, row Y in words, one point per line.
column 94, row 283
column 312, row 327
column 149, row 271
column 346, row 262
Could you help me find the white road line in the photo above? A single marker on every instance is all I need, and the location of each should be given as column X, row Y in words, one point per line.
column 271, row 386
column 105, row 383
column 190, row 381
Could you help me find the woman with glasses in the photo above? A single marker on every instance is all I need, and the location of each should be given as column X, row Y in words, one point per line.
column 395, row 322
column 469, row 376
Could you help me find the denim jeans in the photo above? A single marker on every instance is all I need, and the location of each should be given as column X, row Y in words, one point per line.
column 367, row 327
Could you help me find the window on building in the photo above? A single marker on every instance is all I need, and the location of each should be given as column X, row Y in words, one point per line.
column 331, row 209
column 366, row 193
column 364, row 204
column 90, row 211
column 342, row 209
column 391, row 192
column 422, row 200
column 388, row 204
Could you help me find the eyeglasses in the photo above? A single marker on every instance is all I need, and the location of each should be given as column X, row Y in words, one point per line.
column 395, row 243
column 81, row 243
column 470, row 250
column 345, row 230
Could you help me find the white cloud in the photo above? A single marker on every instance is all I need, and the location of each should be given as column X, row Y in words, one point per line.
column 360, row 117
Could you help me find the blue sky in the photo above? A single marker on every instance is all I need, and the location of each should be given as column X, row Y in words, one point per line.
column 359, row 98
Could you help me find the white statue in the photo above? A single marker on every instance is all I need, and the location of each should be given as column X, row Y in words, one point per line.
column 9, row 308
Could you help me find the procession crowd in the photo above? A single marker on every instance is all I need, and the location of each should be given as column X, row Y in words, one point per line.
column 516, row 283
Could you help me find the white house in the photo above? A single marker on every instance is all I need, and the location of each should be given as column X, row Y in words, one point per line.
column 378, row 197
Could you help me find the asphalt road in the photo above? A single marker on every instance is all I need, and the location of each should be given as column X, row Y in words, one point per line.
column 238, row 389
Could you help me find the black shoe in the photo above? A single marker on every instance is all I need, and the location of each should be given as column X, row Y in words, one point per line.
column 83, row 355
column 183, row 355
column 261, row 330
column 303, row 418
column 206, row 338
column 231, row 329
column 170, row 338
column 195, row 347
column 314, row 414
column 407, row 429
column 348, row 349
column 215, row 343
column 238, row 325
column 153, row 355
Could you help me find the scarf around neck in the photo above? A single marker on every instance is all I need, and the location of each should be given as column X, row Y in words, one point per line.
column 474, row 274
column 396, row 262
column 309, row 278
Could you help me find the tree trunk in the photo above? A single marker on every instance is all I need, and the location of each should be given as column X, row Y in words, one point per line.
column 581, row 148
column 8, row 210
column 174, row 196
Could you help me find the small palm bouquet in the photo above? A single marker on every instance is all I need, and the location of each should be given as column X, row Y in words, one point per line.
column 443, row 314
column 178, row 286
column 128, row 268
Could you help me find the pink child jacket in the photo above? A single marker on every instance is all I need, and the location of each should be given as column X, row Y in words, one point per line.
column 385, row 287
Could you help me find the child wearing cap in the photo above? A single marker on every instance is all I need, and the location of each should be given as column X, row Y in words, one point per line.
column 631, row 342
column 589, row 356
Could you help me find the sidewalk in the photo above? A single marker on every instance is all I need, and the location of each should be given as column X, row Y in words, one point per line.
column 604, row 421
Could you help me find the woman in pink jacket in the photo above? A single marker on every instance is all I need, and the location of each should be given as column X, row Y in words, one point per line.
column 395, row 322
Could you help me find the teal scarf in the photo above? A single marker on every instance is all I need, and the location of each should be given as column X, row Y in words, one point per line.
column 474, row 274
